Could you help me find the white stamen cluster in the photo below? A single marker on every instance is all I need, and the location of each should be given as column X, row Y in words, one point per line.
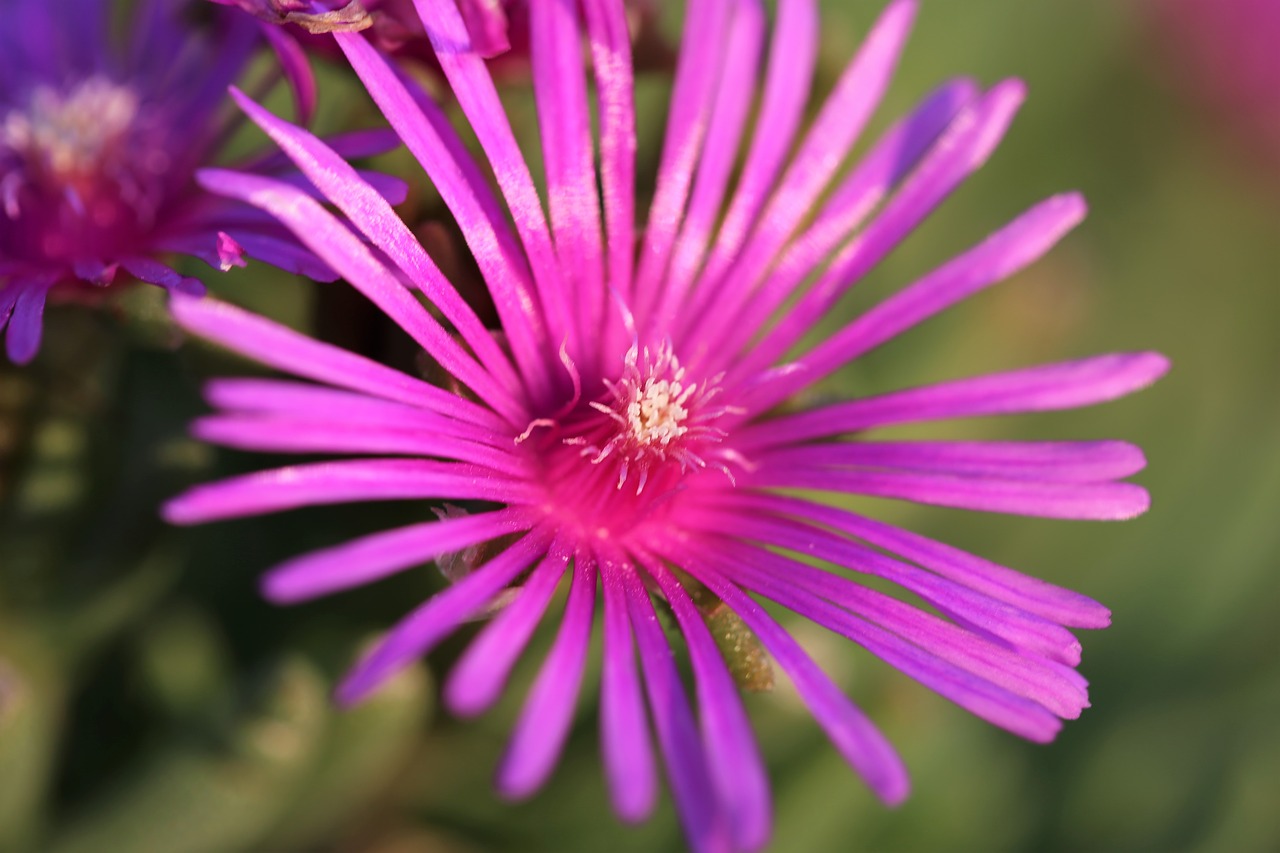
column 66, row 135
column 655, row 411
column 657, row 415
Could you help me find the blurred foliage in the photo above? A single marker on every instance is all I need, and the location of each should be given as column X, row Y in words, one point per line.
column 149, row 701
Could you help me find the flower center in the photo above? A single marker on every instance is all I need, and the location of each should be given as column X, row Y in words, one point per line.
column 83, row 171
column 655, row 416
column 650, row 413
column 64, row 137
column 612, row 464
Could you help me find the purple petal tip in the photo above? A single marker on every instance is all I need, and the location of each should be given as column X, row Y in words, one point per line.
column 1012, row 89
column 463, row 702
column 277, row 588
column 1156, row 365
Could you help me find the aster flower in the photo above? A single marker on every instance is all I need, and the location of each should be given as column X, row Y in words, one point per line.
column 98, row 149
column 630, row 428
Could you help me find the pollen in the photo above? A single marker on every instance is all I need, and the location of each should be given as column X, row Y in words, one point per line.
column 655, row 419
column 66, row 135
column 656, row 413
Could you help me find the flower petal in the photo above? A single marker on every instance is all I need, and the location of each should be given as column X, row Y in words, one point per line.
column 850, row 731
column 26, row 323
column 543, row 726
column 370, row 558
column 1065, row 385
column 733, row 756
column 421, row 630
column 339, row 482
column 624, row 729
column 705, row 825
column 278, row 346
column 369, row 212
column 478, row 677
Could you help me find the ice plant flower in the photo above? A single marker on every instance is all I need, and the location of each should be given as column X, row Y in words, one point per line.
column 98, row 150
column 629, row 429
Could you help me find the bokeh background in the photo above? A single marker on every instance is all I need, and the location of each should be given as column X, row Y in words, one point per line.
column 150, row 702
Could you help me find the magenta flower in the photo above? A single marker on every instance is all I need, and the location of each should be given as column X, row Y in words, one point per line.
column 98, row 150
column 624, row 431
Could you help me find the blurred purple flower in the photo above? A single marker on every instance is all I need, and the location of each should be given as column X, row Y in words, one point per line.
column 98, row 150
column 624, row 427
column 498, row 30
column 1228, row 53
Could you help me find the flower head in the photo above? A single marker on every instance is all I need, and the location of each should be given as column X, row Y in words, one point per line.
column 98, row 150
column 627, row 428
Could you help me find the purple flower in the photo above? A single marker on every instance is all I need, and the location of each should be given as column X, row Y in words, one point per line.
column 98, row 150
column 498, row 30
column 629, row 427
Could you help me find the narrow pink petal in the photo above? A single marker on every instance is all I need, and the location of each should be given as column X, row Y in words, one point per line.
column 358, row 144
column 611, row 59
column 486, row 22
column 350, row 144
column 732, row 753
column 1058, row 461
column 960, row 151
column 366, row 208
column 421, row 630
column 154, row 272
column 850, row 731
column 370, row 558
column 1019, row 244
column 543, row 725
column 296, row 68
column 1065, row 385
column 993, row 614
column 94, row 271
column 793, row 55
column 560, row 90
column 388, row 189
column 475, row 94
column 891, row 160
column 277, row 346
column 825, row 146
column 306, row 435
column 1057, row 688
column 230, row 253
column 1033, row 595
column 705, row 824
column 477, row 679
column 701, row 48
column 282, row 252
column 735, row 92
column 1082, row 501
column 284, row 398
column 333, row 242
column 464, row 189
column 981, row 697
column 9, row 292
column 624, row 729
column 26, row 323
column 339, row 482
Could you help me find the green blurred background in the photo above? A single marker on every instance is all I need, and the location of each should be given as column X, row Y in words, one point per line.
column 149, row 701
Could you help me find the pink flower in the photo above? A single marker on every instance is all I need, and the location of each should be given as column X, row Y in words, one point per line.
column 624, row 431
